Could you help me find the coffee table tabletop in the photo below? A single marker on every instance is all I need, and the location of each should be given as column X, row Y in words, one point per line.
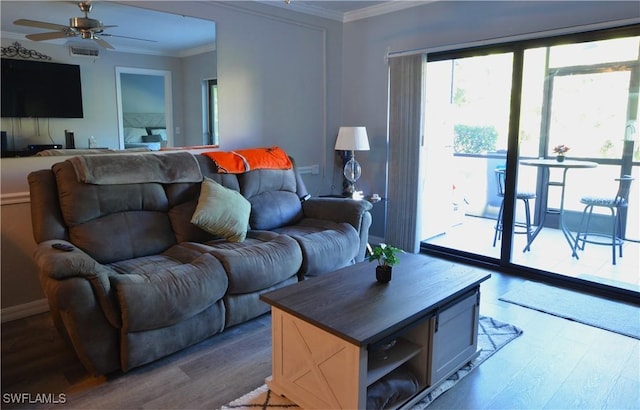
column 352, row 305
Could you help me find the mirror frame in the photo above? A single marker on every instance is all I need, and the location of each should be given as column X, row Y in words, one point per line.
column 168, row 100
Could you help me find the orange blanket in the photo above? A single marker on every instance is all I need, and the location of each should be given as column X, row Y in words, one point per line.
column 237, row 162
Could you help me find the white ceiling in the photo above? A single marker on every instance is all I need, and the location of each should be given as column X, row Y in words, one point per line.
column 187, row 35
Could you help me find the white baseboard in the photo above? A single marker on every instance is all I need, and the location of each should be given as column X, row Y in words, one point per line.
column 24, row 310
column 15, row 198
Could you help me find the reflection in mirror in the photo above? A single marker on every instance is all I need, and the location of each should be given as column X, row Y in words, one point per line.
column 210, row 117
column 191, row 68
column 199, row 104
column 142, row 36
column 145, row 108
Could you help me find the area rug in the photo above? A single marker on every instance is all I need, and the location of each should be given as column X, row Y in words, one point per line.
column 590, row 310
column 492, row 336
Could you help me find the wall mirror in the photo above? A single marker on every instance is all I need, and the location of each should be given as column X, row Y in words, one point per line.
column 146, row 44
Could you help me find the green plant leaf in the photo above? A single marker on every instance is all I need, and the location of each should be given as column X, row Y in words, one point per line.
column 386, row 255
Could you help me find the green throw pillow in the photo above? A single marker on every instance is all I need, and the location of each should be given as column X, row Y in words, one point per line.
column 222, row 211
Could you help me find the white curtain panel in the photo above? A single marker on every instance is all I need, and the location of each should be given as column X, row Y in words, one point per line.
column 406, row 108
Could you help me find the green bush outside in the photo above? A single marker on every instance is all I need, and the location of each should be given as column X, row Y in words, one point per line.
column 471, row 139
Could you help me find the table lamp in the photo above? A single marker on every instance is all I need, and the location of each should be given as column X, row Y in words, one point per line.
column 352, row 139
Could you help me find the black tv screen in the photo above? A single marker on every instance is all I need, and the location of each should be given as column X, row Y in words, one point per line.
column 39, row 89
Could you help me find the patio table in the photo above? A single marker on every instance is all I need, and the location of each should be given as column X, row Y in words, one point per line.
column 546, row 165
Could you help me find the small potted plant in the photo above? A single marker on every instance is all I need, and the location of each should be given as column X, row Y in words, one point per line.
column 560, row 151
column 387, row 256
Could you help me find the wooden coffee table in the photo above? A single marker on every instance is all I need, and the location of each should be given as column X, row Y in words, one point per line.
column 326, row 329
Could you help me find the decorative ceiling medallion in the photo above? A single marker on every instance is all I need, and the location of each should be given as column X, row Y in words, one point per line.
column 16, row 50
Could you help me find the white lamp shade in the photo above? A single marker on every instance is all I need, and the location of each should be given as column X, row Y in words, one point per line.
column 352, row 139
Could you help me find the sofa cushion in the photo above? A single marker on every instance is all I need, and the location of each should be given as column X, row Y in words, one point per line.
column 155, row 296
column 183, row 200
column 274, row 209
column 81, row 202
column 222, row 211
column 113, row 222
column 326, row 246
column 264, row 260
column 124, row 235
column 180, row 217
column 241, row 307
column 273, row 197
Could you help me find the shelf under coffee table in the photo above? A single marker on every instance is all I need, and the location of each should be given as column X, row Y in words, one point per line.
column 326, row 330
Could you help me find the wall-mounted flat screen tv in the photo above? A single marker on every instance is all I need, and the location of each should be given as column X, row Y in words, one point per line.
column 40, row 89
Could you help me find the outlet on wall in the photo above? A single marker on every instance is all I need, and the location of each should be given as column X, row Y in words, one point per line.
column 309, row 169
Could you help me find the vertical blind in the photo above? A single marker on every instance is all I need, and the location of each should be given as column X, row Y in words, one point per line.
column 406, row 102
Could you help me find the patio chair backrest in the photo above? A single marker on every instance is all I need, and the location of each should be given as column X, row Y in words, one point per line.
column 622, row 197
column 500, row 180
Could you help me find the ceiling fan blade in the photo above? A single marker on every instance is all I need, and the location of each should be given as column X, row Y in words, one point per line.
column 48, row 36
column 103, row 43
column 39, row 24
column 132, row 38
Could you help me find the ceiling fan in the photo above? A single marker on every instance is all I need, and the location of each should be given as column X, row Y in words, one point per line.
column 83, row 27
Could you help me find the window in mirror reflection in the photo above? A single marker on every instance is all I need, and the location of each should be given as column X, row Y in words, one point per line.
column 210, row 92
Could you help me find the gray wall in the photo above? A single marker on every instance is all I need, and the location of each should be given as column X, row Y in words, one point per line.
column 196, row 69
column 142, row 93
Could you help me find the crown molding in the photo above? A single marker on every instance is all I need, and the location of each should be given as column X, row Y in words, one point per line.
column 383, row 8
column 359, row 14
column 197, row 50
column 305, row 9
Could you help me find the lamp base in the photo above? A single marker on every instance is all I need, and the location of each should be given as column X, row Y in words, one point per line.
column 351, row 172
column 351, row 192
column 349, row 189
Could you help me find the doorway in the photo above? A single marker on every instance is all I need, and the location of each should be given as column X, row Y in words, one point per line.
column 146, row 119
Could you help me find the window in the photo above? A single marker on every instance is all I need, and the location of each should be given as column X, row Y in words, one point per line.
column 583, row 95
column 210, row 123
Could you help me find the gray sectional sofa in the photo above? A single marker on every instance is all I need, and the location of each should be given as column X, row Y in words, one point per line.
column 143, row 281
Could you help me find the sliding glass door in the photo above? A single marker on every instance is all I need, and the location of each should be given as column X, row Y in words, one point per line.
column 492, row 119
column 467, row 125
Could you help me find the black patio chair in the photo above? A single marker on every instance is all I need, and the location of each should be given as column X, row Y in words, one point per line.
column 524, row 228
column 615, row 204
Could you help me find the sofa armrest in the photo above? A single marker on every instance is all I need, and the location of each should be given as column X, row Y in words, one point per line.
column 354, row 212
column 57, row 265
column 82, row 307
column 336, row 210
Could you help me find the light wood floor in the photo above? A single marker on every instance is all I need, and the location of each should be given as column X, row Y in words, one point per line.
column 555, row 364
